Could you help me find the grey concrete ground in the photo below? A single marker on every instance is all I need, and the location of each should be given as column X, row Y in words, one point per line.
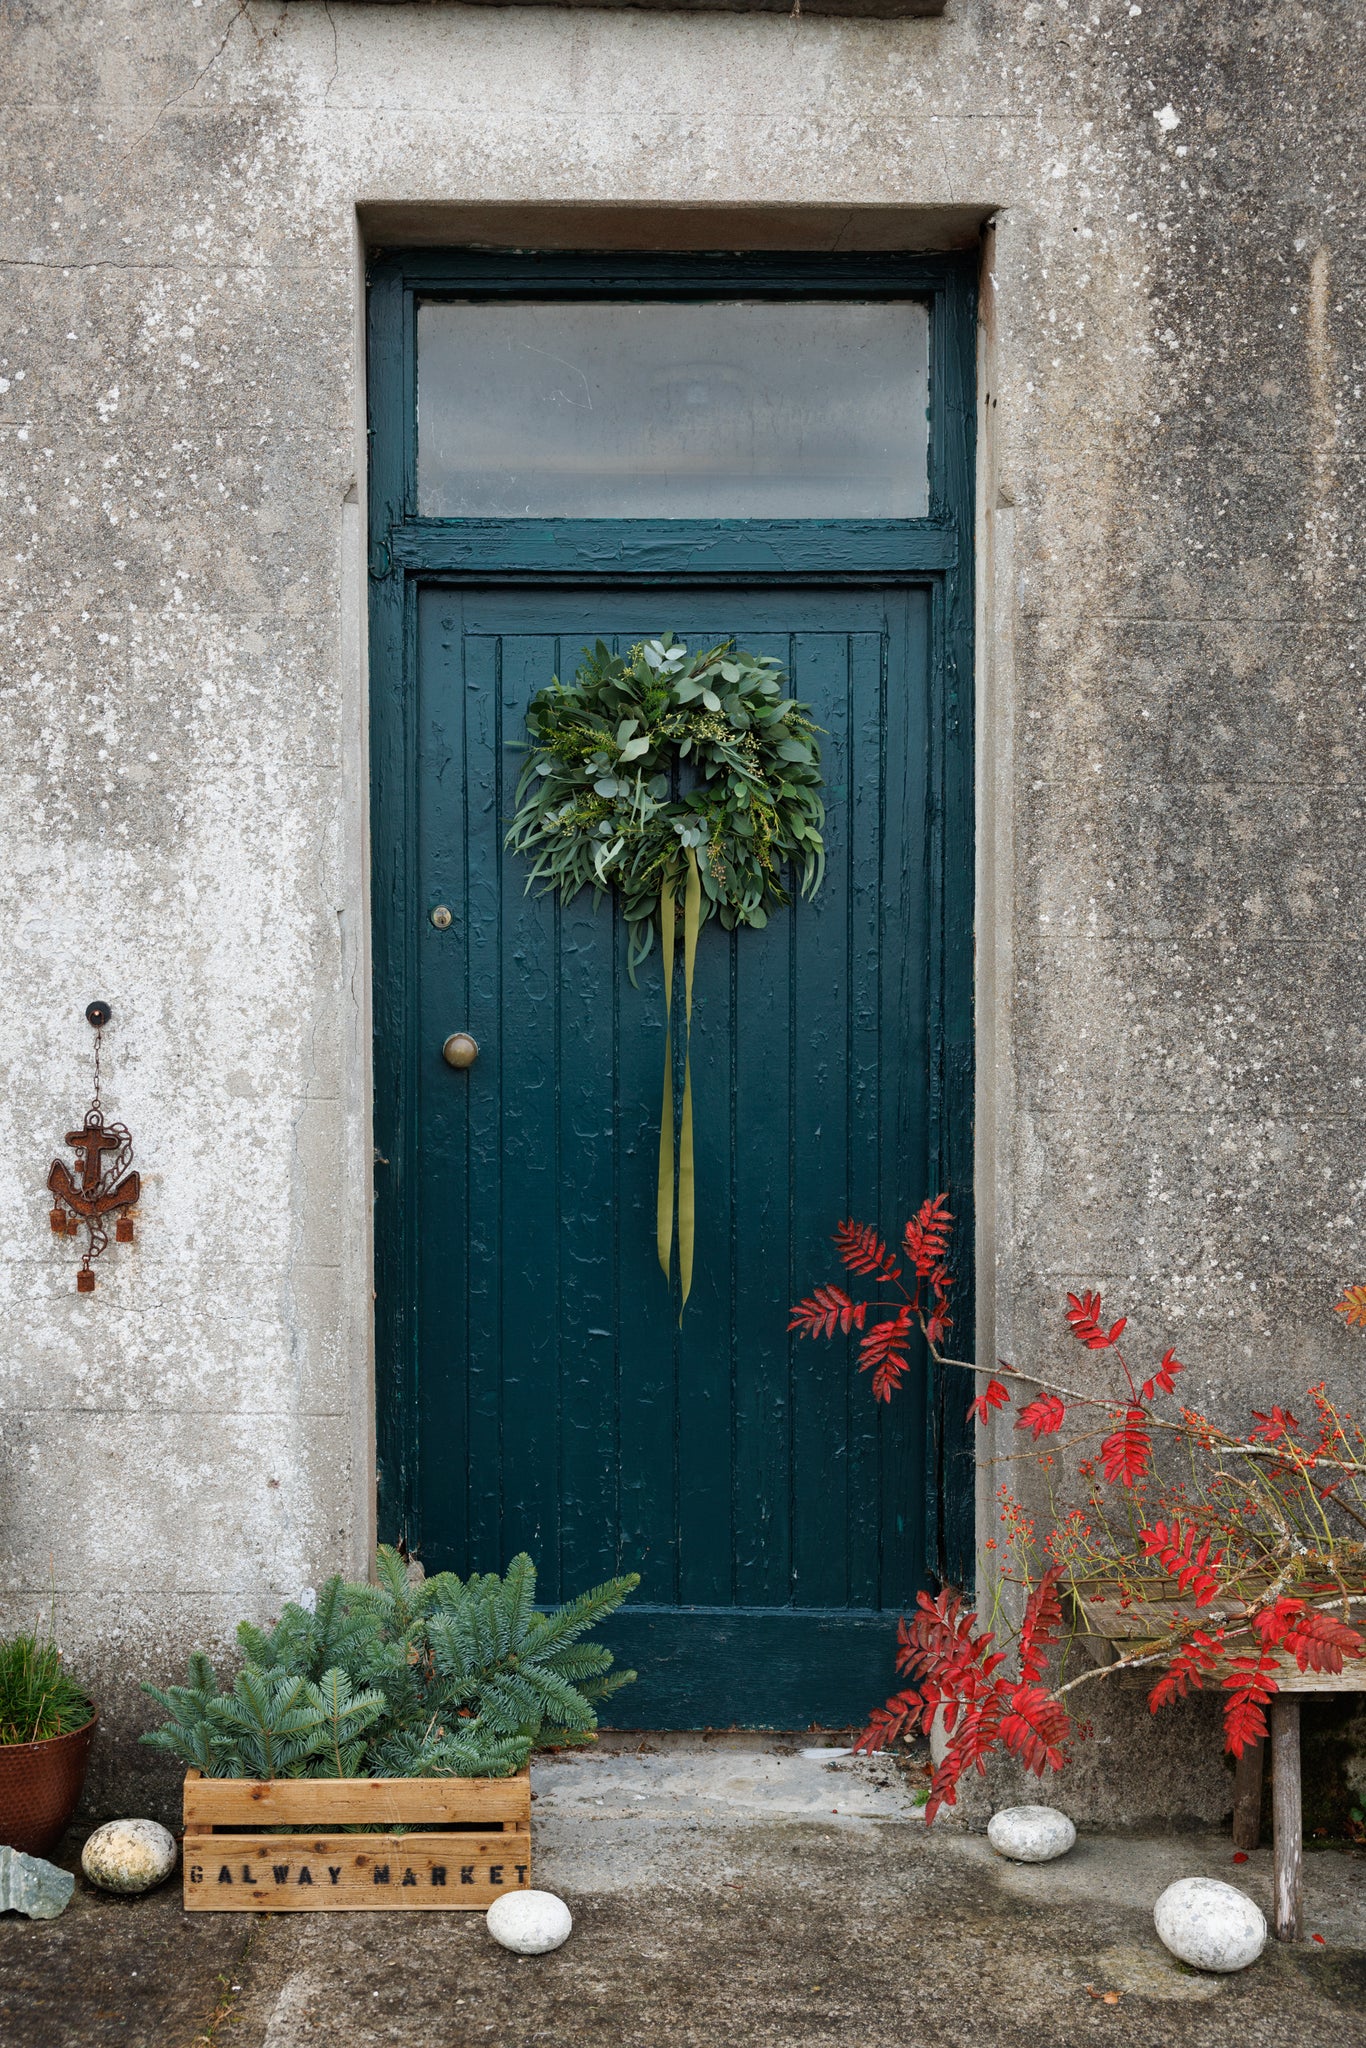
column 727, row 1891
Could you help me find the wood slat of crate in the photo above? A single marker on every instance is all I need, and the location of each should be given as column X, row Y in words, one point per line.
column 1109, row 1615
column 333, row 1802
column 471, row 1841
column 1289, row 1677
column 450, row 1872
column 1134, row 1629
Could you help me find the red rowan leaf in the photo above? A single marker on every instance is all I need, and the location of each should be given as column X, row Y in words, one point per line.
column 1353, row 1306
column 1125, row 1456
column 883, row 1353
column 1274, row 1428
column 940, row 1644
column 825, row 1311
column 1250, row 1684
column 1188, row 1670
column 994, row 1397
column 1317, row 1641
column 961, row 1681
column 1035, row 1729
column 1321, row 1642
column 863, row 1251
column 973, row 1729
column 944, row 1784
column 899, row 1718
column 1164, row 1378
column 1191, row 1566
column 940, row 1641
column 955, row 1662
column 1274, row 1623
column 979, row 1728
column 939, row 1322
column 927, row 1236
column 1042, row 1416
column 1041, row 1627
column 1083, row 1320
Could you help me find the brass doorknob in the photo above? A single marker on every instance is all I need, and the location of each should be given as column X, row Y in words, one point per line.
column 460, row 1050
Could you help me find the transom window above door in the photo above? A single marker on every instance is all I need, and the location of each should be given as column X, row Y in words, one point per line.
column 701, row 409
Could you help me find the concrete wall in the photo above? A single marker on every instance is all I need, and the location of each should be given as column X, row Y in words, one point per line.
column 1172, row 703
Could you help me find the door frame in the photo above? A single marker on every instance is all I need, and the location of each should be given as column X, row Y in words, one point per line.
column 407, row 551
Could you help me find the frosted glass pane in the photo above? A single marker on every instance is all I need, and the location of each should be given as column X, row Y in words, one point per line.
column 738, row 409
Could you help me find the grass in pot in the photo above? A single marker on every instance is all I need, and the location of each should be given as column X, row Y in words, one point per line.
column 47, row 1724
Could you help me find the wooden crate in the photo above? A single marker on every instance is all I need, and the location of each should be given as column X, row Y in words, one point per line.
column 471, row 1841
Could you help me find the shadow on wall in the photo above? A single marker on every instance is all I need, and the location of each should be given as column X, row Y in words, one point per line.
column 1333, row 1748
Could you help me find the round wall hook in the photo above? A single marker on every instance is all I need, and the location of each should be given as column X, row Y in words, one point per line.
column 98, row 1014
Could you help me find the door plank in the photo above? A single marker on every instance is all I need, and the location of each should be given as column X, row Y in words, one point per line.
column 473, row 813
column 764, row 1115
column 530, row 1166
column 865, row 1188
column 647, row 1333
column 443, row 958
column 585, row 1066
column 903, row 947
column 819, row 1060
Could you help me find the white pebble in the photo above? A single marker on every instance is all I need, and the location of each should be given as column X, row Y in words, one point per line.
column 1209, row 1924
column 1030, row 1834
column 129, row 1855
column 529, row 1923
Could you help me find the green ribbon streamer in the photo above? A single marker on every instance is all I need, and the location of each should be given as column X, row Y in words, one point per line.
column 692, row 920
column 664, row 1200
column 687, row 1179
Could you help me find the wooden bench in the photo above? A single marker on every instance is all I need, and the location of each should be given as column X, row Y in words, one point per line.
column 1107, row 1625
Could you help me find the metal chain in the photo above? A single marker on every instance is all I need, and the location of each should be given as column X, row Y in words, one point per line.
column 97, row 1237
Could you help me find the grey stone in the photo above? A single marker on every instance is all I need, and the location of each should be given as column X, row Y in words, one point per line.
column 1031, row 1834
column 529, row 1923
column 129, row 1856
column 1210, row 1925
column 32, row 1885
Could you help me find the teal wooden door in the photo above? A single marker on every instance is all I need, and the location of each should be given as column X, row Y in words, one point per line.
column 541, row 1393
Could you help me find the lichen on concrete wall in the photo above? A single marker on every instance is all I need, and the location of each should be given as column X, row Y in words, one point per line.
column 1172, row 698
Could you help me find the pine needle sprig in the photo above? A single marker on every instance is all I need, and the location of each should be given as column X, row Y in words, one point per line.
column 445, row 1677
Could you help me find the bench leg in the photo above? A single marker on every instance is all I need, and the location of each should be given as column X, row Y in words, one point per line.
column 1247, row 1797
column 1288, row 1815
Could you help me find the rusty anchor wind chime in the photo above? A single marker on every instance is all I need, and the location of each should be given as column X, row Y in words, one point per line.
column 101, row 1191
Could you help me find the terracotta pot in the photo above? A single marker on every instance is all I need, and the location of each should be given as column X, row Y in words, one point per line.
column 40, row 1783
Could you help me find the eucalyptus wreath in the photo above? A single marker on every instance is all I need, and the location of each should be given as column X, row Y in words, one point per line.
column 660, row 764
